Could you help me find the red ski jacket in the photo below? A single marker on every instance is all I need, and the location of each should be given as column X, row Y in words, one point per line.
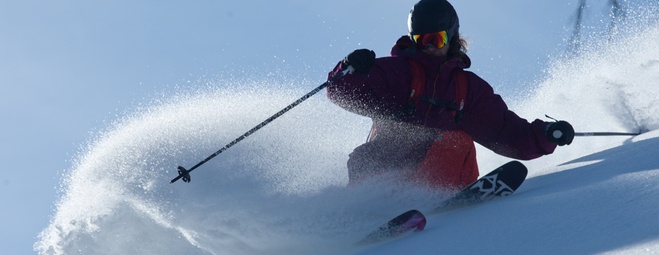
column 384, row 92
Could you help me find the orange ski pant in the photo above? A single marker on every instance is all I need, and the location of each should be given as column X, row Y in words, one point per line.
column 450, row 163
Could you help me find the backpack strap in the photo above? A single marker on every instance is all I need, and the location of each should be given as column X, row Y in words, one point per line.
column 461, row 89
column 418, row 80
column 417, row 86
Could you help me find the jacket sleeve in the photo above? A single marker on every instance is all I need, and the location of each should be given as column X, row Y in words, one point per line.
column 489, row 121
column 380, row 93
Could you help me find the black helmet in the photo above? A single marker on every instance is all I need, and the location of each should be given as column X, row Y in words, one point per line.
column 429, row 16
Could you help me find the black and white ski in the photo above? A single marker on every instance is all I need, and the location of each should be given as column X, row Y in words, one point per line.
column 501, row 182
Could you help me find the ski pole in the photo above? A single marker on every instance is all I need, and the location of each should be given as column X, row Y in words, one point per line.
column 605, row 134
column 185, row 173
column 558, row 134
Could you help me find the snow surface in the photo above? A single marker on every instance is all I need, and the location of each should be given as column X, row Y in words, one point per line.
column 282, row 190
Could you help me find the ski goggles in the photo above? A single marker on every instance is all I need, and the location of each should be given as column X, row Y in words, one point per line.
column 438, row 39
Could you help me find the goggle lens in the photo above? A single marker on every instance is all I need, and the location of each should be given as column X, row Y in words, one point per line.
column 438, row 40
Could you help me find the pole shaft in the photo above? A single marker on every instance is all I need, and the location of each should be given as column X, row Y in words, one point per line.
column 266, row 122
column 605, row 134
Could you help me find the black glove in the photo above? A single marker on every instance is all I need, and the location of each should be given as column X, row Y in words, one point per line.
column 560, row 133
column 361, row 60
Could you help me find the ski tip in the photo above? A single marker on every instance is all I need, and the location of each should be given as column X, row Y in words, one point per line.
column 407, row 222
column 513, row 174
column 412, row 220
column 418, row 222
column 517, row 165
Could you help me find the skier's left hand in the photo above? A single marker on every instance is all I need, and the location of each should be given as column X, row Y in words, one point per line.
column 560, row 133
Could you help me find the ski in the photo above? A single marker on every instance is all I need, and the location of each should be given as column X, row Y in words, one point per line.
column 410, row 221
column 501, row 182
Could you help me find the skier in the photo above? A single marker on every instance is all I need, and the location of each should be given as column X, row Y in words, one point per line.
column 427, row 111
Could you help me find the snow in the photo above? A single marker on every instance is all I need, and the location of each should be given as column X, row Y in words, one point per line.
column 282, row 190
column 604, row 202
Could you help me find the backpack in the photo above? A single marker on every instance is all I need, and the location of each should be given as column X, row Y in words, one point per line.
column 416, row 90
column 419, row 82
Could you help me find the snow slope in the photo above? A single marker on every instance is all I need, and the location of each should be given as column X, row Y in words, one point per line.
column 281, row 191
column 601, row 203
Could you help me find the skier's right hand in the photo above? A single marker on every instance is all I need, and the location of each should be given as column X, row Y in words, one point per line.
column 361, row 60
column 560, row 133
